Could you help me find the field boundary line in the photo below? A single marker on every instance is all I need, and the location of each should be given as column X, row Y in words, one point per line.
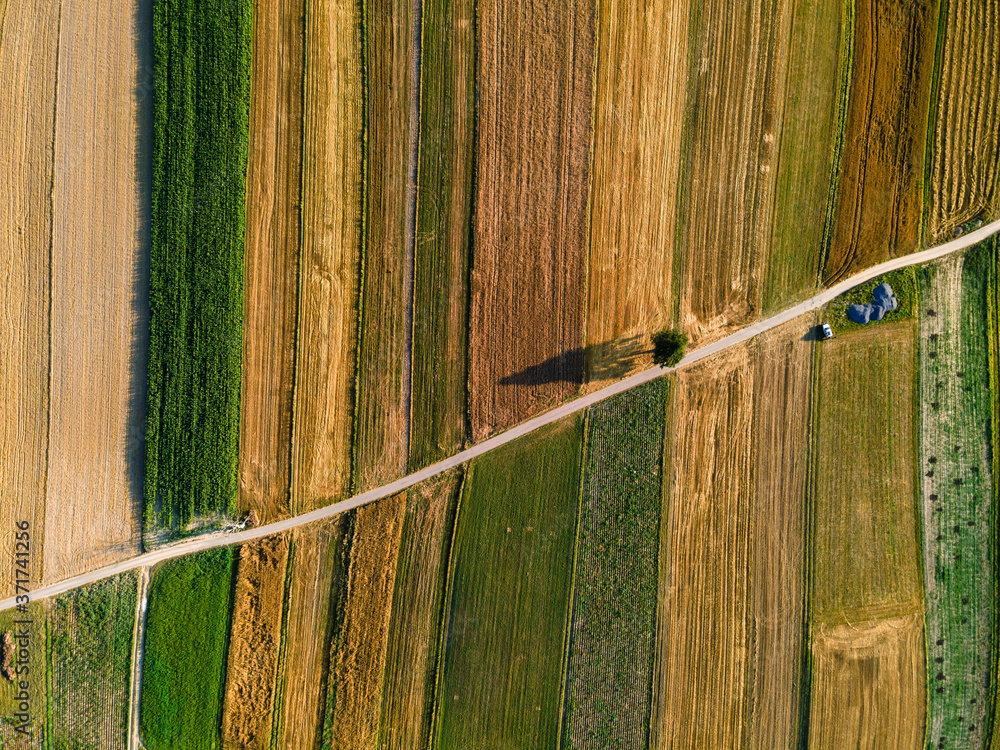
column 138, row 638
column 223, row 539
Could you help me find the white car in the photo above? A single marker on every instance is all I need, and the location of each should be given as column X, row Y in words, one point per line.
column 827, row 331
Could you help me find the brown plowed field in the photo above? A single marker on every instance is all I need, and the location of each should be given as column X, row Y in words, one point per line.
column 412, row 653
column 95, row 456
column 865, row 549
column 638, row 117
column 382, row 432
column 331, row 238
column 729, row 177
column 879, row 205
column 967, row 131
column 27, row 77
column 316, row 548
column 731, row 621
column 274, row 173
column 254, row 640
column 358, row 664
column 868, row 686
column 535, row 65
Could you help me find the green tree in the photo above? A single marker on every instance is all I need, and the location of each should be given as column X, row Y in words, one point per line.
column 669, row 345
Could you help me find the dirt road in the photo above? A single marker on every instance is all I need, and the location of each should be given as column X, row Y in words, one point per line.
column 571, row 407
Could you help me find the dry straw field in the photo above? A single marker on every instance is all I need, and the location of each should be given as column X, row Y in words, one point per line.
column 966, row 132
column 529, row 229
column 28, row 73
column 254, row 638
column 274, row 174
column 332, row 192
column 731, row 622
column 879, row 204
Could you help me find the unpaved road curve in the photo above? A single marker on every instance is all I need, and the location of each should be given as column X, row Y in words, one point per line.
column 221, row 539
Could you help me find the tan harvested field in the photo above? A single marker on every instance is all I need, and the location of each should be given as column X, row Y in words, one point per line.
column 868, row 686
column 728, row 183
column 535, row 84
column 865, row 548
column 314, row 567
column 274, row 173
column 966, row 145
column 638, row 117
column 95, row 422
column 357, row 667
column 254, row 640
column 28, row 76
column 778, row 526
column 331, row 238
column 879, row 203
column 412, row 652
column 382, row 429
column 731, row 624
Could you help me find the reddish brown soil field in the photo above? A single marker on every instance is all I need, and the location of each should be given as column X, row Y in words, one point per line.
column 535, row 66
column 879, row 204
column 274, row 174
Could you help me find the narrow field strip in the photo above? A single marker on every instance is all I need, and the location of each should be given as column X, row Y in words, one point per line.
column 879, row 204
column 271, row 266
column 381, row 420
column 502, row 670
column 966, row 138
column 441, row 244
column 28, row 61
column 90, row 642
column 34, row 619
column 534, row 99
column 218, row 540
column 609, row 685
column 332, row 202
column 202, row 52
column 957, row 496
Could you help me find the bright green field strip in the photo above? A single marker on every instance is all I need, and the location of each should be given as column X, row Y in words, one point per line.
column 185, row 651
column 513, row 566
column 865, row 546
column 805, row 157
column 957, row 492
column 91, row 634
column 33, row 663
column 612, row 637
column 201, row 129
column 444, row 204
column 904, row 285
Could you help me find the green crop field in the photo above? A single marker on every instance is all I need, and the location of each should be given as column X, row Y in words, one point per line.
column 201, row 130
column 185, row 651
column 612, row 636
column 512, row 569
column 33, row 620
column 904, row 285
column 957, row 494
column 444, row 206
column 91, row 632
column 865, row 547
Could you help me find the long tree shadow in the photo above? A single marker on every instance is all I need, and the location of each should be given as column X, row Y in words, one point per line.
column 595, row 362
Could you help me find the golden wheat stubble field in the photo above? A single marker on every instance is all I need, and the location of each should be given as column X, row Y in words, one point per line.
column 867, row 592
column 28, row 52
column 530, row 232
column 730, row 623
column 879, row 205
column 728, row 181
column 94, row 468
column 332, row 192
column 966, row 141
column 638, row 118
column 274, row 173
column 254, row 638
